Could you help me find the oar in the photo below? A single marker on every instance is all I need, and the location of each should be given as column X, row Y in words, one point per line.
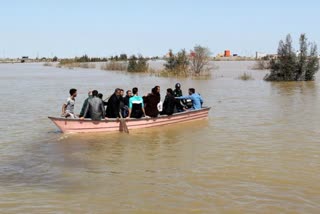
column 123, row 124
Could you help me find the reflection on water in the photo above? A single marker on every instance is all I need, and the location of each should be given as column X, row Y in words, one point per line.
column 258, row 151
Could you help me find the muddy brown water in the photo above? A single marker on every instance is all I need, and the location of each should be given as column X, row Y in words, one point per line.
column 259, row 151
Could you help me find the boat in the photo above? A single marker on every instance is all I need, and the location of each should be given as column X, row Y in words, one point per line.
column 67, row 125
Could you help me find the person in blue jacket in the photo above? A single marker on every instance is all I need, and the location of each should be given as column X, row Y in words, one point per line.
column 196, row 99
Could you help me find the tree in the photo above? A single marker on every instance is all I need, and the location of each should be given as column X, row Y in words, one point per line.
column 132, row 63
column 142, row 65
column 139, row 64
column 177, row 63
column 182, row 61
column 313, row 63
column 170, row 61
column 289, row 66
column 200, row 57
column 55, row 59
column 123, row 57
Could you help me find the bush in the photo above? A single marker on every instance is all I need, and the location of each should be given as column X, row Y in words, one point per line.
column 177, row 64
column 139, row 64
column 289, row 66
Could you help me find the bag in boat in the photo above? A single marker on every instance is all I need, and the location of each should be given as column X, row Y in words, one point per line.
column 160, row 106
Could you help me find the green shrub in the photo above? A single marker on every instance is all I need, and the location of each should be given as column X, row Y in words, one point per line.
column 289, row 66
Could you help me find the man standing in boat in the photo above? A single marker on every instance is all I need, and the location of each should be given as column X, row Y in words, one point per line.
column 68, row 107
column 196, row 99
column 95, row 107
column 136, row 105
column 177, row 92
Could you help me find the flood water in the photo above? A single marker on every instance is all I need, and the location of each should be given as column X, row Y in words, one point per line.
column 259, row 151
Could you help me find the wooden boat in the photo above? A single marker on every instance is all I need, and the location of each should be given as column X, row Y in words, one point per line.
column 114, row 125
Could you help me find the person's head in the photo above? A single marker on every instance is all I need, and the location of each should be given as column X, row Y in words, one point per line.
column 191, row 91
column 135, row 91
column 95, row 93
column 129, row 93
column 117, row 91
column 100, row 96
column 121, row 92
column 73, row 92
column 178, row 86
column 154, row 90
column 169, row 91
column 158, row 89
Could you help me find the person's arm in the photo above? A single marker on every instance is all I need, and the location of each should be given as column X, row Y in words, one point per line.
column 83, row 108
column 116, row 106
column 201, row 100
column 103, row 110
column 85, row 111
column 63, row 109
column 130, row 108
column 183, row 97
column 129, row 114
column 142, row 107
column 144, row 113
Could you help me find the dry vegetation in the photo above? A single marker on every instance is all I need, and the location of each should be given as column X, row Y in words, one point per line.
column 114, row 66
column 261, row 65
column 76, row 65
column 245, row 76
column 48, row 64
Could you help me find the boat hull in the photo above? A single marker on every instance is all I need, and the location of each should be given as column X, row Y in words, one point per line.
column 113, row 125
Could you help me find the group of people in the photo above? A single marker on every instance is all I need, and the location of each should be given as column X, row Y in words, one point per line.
column 132, row 105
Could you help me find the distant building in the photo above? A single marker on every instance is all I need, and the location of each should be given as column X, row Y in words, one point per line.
column 227, row 53
column 260, row 55
column 24, row 59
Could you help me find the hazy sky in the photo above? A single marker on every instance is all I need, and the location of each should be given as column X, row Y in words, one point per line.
column 102, row 28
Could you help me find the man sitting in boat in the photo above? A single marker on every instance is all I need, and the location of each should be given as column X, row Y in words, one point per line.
column 68, row 107
column 194, row 97
column 151, row 102
column 85, row 105
column 169, row 103
column 113, row 107
column 95, row 107
column 136, row 105
column 125, row 109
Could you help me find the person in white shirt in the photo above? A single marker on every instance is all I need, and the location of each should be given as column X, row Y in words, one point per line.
column 68, row 107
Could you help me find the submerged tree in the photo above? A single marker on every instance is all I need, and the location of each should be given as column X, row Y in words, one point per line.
column 132, row 63
column 292, row 66
column 178, row 63
column 200, row 57
column 139, row 64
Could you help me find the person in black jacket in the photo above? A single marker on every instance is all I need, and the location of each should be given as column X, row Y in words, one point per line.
column 151, row 103
column 169, row 103
column 125, row 109
column 94, row 107
column 113, row 107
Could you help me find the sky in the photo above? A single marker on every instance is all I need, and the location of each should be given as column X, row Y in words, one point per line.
column 68, row 28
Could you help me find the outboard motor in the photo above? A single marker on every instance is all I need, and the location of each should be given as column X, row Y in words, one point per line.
column 186, row 103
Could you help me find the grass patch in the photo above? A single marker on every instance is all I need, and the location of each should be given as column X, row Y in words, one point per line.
column 47, row 64
column 114, row 66
column 245, row 76
column 76, row 65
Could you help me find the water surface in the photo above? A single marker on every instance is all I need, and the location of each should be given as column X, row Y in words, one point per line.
column 258, row 152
